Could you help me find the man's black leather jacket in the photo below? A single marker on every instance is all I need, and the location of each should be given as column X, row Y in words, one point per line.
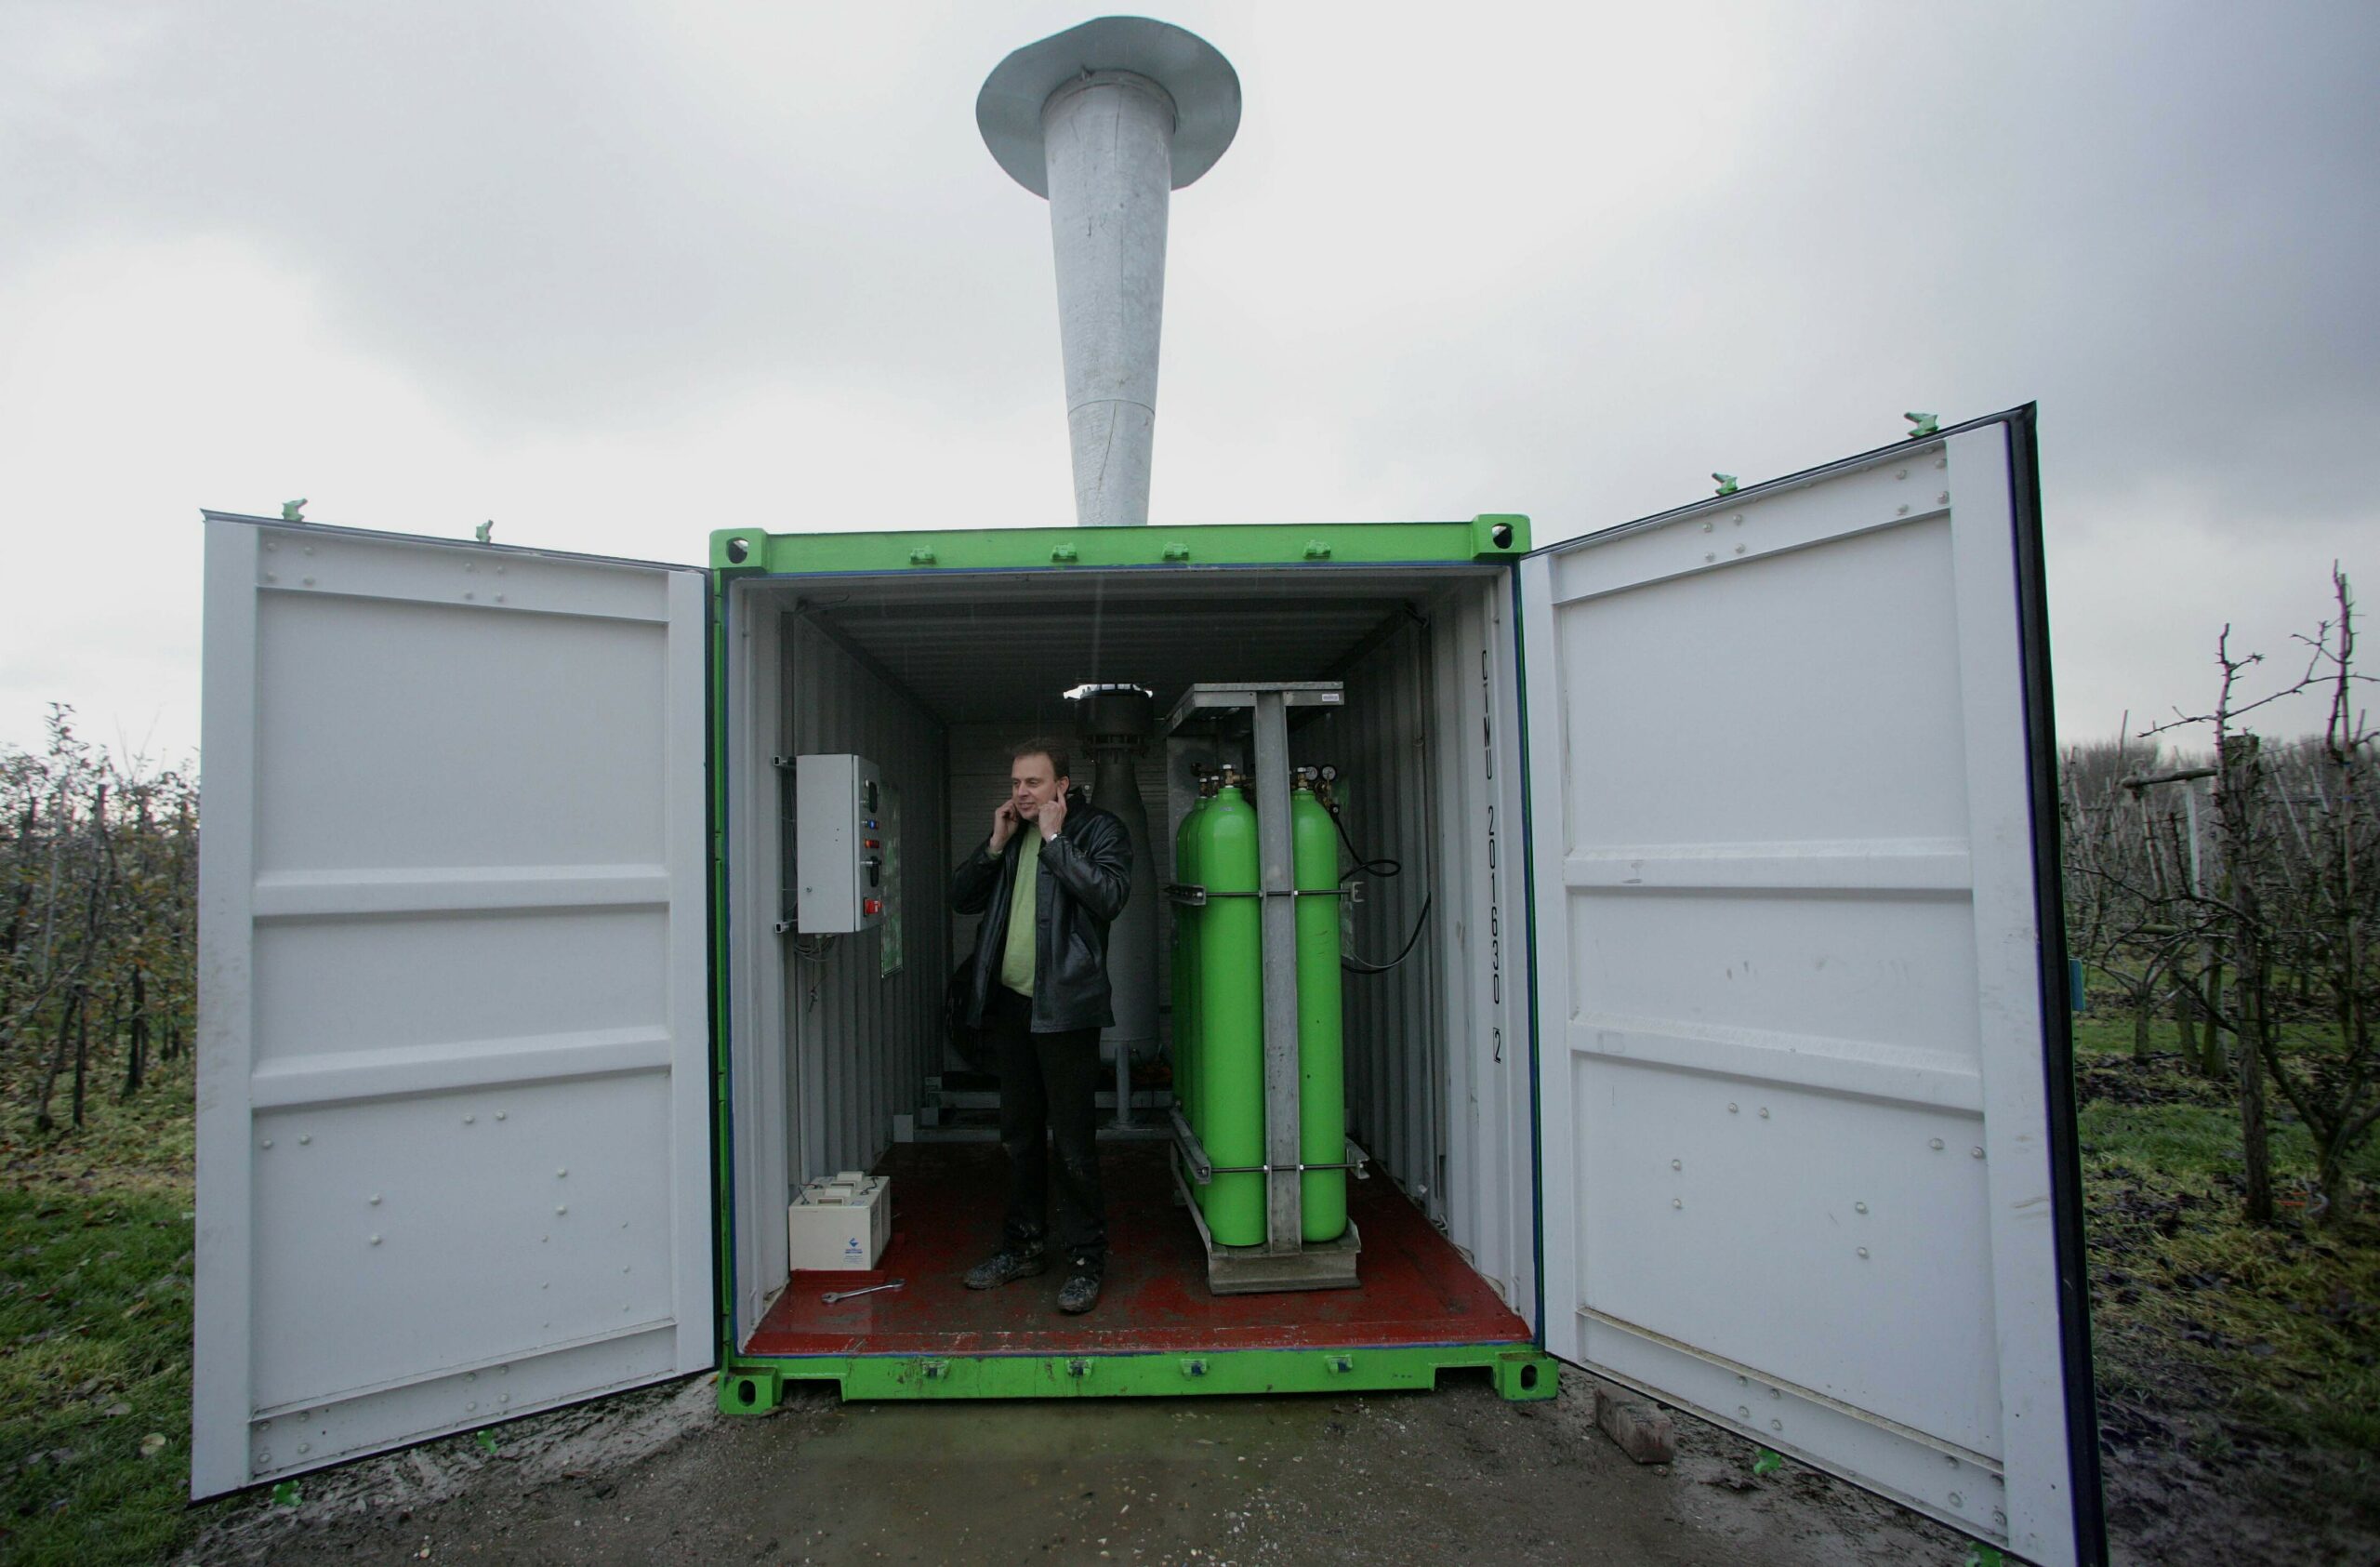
column 1086, row 875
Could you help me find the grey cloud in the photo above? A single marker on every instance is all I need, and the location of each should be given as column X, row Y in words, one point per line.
column 2155, row 221
column 543, row 210
column 1417, row 286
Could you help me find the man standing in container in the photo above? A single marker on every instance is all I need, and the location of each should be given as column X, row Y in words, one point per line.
column 1054, row 874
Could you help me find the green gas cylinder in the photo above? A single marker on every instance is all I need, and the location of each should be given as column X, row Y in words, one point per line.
column 1322, row 1100
column 1231, row 1016
column 1185, row 964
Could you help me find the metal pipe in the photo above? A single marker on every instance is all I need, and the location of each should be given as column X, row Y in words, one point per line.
column 1113, row 722
column 1109, row 139
column 1107, row 120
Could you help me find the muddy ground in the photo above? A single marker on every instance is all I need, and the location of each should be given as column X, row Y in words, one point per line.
column 2169, row 1500
column 1456, row 1476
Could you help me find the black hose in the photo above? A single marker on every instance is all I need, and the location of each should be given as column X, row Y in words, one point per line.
column 1357, row 965
column 1383, row 869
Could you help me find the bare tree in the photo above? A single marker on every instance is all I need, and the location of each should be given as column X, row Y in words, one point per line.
column 97, row 892
column 2343, row 851
column 2113, row 927
column 2290, row 908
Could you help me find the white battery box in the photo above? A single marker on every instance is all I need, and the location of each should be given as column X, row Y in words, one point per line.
column 840, row 1222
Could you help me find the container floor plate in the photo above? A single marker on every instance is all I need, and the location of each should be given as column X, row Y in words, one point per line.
column 946, row 1205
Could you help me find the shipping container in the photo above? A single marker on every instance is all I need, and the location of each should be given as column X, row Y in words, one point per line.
column 1730, row 1061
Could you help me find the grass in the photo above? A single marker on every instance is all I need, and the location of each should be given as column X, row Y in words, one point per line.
column 2228, row 1337
column 94, row 1330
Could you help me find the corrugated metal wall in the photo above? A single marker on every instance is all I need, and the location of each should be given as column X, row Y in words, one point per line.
column 861, row 1040
column 1381, row 743
column 1481, row 952
column 759, row 1055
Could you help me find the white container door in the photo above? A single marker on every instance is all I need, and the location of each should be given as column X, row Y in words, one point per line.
column 454, row 1047
column 1808, row 1163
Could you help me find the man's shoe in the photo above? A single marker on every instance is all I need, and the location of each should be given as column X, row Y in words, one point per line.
column 1079, row 1293
column 1006, row 1266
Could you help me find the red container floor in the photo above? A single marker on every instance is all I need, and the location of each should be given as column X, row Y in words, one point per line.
column 947, row 1200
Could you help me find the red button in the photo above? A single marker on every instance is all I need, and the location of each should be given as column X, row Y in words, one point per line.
column 873, row 906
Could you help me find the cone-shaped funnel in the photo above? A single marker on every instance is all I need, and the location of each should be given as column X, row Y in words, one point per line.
column 1108, row 120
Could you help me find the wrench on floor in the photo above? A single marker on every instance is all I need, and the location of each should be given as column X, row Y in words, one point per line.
column 833, row 1296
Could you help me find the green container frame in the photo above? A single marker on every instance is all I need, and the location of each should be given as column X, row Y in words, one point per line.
column 754, row 1385
column 737, row 552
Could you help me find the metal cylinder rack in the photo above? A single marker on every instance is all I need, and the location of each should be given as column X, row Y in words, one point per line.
column 1261, row 1145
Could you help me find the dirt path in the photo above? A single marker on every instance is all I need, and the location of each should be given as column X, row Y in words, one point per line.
column 1455, row 1476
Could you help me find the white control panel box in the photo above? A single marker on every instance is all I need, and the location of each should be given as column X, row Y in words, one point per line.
column 841, row 1223
column 843, row 845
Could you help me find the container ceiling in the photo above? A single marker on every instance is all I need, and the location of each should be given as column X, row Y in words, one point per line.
column 1000, row 648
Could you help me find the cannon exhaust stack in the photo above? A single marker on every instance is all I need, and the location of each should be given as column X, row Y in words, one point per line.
column 1108, row 120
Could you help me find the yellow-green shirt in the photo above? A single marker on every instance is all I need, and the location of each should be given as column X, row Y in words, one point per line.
column 1016, row 958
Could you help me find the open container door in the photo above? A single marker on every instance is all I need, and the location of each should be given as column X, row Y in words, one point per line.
column 454, row 1043
column 1807, row 1151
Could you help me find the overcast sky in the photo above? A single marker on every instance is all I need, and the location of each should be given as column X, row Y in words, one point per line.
column 616, row 275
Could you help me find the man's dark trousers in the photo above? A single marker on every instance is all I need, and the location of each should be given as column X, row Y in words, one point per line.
column 1048, row 1084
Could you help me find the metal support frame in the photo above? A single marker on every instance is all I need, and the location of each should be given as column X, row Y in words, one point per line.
column 1203, row 1169
column 1330, row 1264
column 1123, row 1121
column 1284, row 1205
column 1197, row 896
